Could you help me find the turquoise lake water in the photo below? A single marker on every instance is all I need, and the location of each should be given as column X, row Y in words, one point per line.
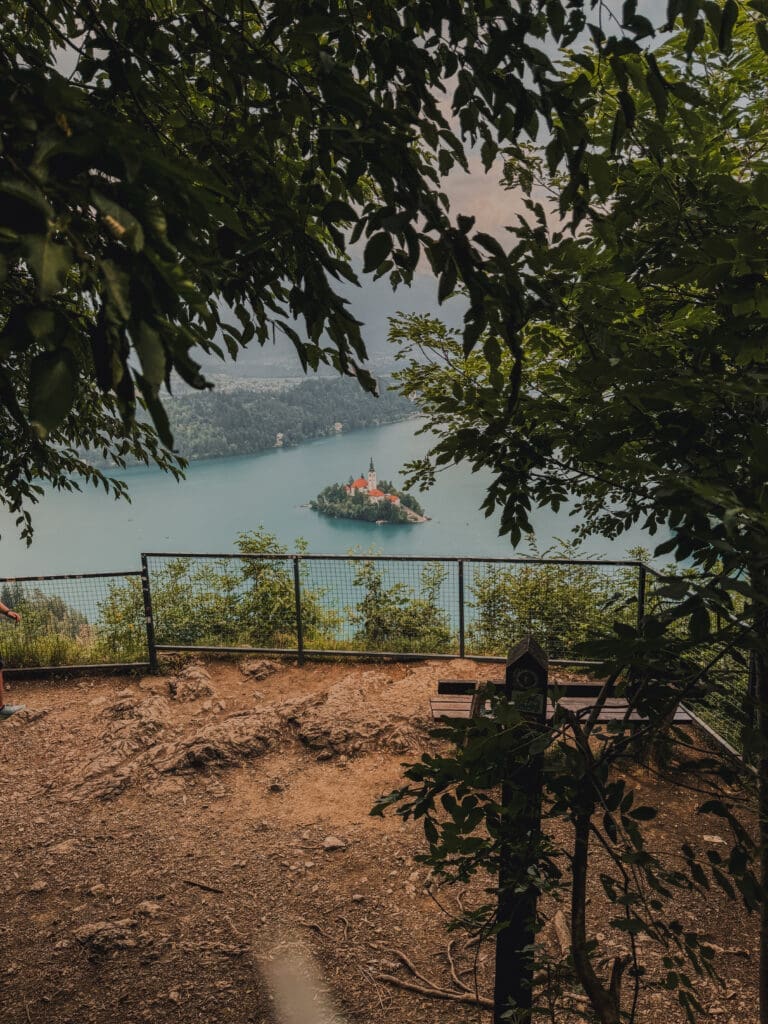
column 91, row 532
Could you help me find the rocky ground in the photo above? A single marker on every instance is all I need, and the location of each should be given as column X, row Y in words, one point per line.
column 198, row 847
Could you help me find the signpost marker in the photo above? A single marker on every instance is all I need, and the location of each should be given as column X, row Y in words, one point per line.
column 526, row 688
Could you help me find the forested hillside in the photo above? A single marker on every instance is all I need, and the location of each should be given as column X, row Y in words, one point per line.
column 211, row 424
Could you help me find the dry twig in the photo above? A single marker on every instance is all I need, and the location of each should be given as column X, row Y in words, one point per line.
column 202, row 885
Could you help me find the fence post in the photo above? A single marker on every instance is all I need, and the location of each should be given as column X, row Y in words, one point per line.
column 297, row 596
column 462, row 643
column 641, row 577
column 148, row 618
column 525, row 685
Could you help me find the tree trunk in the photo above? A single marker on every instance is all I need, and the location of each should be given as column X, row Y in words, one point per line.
column 758, row 692
column 605, row 1003
column 761, row 700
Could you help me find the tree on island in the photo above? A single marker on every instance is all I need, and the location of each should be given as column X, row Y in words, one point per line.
column 179, row 179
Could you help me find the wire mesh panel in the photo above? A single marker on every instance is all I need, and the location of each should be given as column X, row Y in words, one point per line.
column 380, row 605
column 725, row 706
column 223, row 601
column 90, row 619
column 562, row 604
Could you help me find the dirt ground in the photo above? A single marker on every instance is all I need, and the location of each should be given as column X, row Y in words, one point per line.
column 198, row 847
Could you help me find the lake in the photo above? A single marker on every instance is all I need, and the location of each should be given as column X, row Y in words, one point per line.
column 220, row 498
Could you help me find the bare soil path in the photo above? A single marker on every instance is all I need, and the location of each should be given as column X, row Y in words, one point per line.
column 169, row 842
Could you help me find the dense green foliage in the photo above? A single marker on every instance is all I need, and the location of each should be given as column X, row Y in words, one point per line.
column 396, row 617
column 53, row 631
column 183, row 178
column 215, row 424
column 563, row 605
column 643, row 398
column 239, row 422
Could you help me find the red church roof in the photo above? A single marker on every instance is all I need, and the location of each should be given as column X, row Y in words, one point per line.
column 375, row 493
column 391, row 497
column 360, row 482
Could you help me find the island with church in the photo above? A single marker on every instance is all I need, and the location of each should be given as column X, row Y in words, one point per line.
column 369, row 499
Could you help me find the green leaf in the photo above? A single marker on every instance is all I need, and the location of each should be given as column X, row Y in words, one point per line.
column 52, row 379
column 695, row 35
column 117, row 285
column 658, row 90
column 376, row 251
column 686, row 93
column 760, row 188
column 699, row 625
column 24, row 207
column 49, row 262
column 600, row 172
column 151, row 353
column 729, row 18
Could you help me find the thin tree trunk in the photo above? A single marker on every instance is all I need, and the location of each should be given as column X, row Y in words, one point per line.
column 758, row 687
column 604, row 1003
column 761, row 695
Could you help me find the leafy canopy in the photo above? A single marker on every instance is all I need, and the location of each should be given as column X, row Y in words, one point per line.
column 180, row 178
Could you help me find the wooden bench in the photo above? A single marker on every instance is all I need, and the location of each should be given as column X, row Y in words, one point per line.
column 455, row 697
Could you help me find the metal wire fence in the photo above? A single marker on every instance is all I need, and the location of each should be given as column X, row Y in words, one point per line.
column 75, row 620
column 386, row 605
column 721, row 700
column 362, row 605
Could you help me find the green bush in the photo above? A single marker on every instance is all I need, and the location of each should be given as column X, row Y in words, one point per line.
column 396, row 618
column 563, row 606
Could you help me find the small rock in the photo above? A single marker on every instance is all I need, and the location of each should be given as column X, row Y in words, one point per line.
column 64, row 847
column 331, row 843
column 324, row 755
column 714, row 839
column 174, row 996
column 258, row 669
column 122, row 694
column 38, row 886
column 309, row 864
column 97, row 889
column 357, row 897
column 148, row 909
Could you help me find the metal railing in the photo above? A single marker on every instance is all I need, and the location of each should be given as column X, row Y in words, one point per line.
column 79, row 620
column 360, row 606
column 384, row 605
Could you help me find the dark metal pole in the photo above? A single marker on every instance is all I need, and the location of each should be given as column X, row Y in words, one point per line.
column 641, row 580
column 148, row 617
column 526, row 685
column 462, row 642
column 297, row 595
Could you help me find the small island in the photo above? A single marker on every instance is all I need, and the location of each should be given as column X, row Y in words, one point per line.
column 369, row 499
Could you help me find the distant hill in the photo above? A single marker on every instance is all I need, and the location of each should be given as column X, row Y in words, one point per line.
column 248, row 419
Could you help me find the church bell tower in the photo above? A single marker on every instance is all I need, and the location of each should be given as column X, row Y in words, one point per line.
column 372, row 479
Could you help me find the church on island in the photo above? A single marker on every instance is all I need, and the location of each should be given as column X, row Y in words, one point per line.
column 369, row 499
column 369, row 488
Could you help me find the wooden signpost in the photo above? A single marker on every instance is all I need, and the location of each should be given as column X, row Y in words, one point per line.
column 526, row 688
